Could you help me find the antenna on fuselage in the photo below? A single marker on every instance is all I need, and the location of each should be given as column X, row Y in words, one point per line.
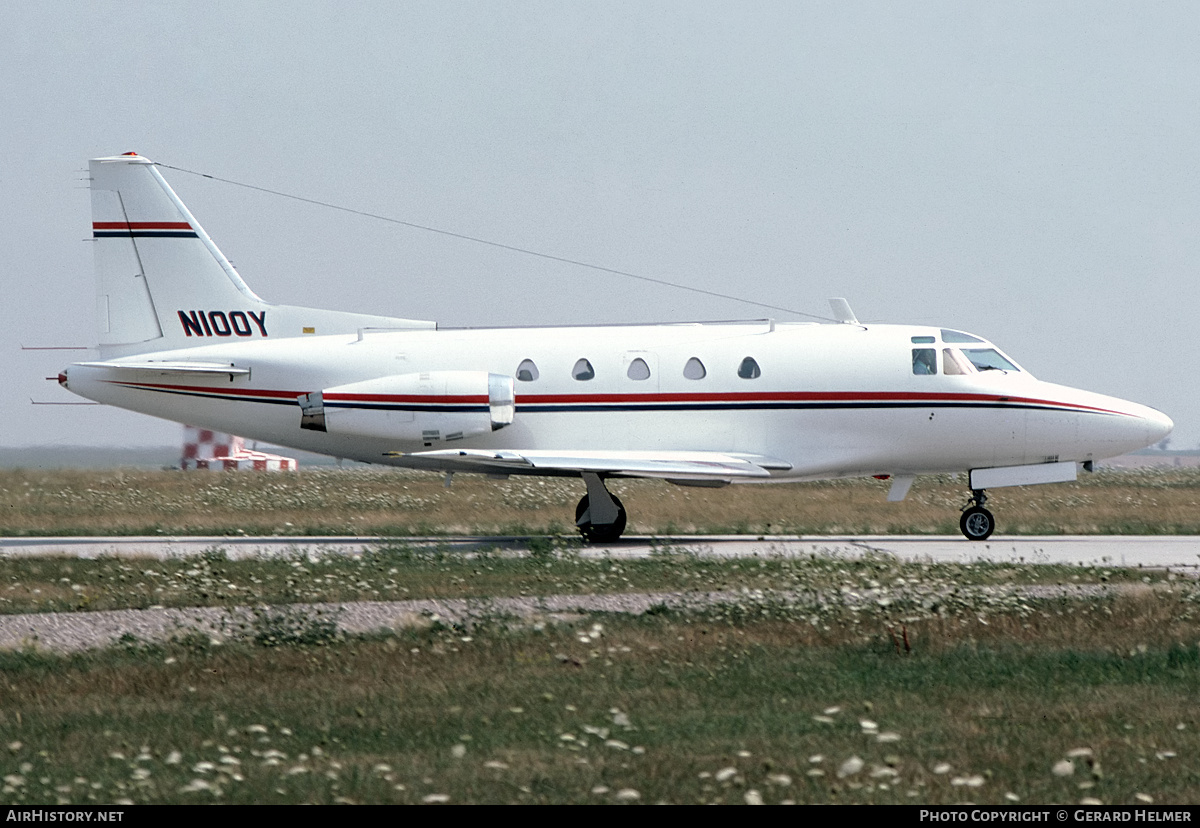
column 842, row 312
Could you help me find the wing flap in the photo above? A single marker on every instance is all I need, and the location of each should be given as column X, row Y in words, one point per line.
column 680, row 465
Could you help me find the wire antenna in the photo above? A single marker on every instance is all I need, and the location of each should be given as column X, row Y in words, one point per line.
column 500, row 245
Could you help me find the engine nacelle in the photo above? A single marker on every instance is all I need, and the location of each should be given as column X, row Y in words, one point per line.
column 414, row 408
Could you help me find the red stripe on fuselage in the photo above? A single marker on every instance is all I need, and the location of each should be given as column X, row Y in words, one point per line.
column 583, row 399
column 207, row 389
column 407, row 398
column 141, row 225
column 802, row 396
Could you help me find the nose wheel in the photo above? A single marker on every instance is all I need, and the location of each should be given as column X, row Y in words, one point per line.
column 977, row 523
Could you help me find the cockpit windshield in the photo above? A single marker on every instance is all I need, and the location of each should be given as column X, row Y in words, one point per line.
column 958, row 360
column 953, row 337
column 988, row 359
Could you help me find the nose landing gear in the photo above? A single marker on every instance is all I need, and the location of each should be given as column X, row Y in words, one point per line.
column 977, row 523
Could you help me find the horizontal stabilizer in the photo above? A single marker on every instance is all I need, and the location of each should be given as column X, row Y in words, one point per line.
column 179, row 368
column 681, row 465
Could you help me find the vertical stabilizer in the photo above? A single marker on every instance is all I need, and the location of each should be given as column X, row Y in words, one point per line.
column 161, row 282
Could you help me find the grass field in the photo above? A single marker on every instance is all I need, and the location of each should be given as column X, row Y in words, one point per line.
column 811, row 680
column 388, row 502
column 888, row 682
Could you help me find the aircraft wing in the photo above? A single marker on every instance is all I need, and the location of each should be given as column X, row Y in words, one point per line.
column 671, row 465
column 176, row 368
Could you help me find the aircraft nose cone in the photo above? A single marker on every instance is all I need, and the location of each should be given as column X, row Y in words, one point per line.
column 1158, row 425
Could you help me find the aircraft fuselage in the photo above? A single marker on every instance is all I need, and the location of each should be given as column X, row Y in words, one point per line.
column 830, row 400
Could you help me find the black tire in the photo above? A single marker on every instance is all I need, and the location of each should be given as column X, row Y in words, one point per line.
column 602, row 532
column 977, row 523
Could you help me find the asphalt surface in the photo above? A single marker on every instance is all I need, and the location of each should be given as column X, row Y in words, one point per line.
column 1178, row 552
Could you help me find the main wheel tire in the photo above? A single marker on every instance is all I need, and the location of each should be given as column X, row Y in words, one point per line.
column 600, row 532
column 977, row 523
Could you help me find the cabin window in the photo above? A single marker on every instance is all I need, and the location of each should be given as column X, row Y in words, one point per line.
column 749, row 369
column 527, row 371
column 694, row 369
column 583, row 370
column 638, row 370
column 954, row 363
column 988, row 359
column 924, row 360
column 958, row 336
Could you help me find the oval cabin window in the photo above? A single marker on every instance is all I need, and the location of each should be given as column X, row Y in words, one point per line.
column 583, row 370
column 527, row 371
column 638, row 370
column 749, row 369
column 694, row 369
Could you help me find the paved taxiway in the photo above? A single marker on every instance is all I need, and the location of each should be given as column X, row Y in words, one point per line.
column 1180, row 552
column 82, row 630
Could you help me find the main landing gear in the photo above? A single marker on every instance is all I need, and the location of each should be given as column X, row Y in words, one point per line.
column 599, row 515
column 977, row 523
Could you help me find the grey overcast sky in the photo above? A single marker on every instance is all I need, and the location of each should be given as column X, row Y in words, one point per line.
column 1023, row 170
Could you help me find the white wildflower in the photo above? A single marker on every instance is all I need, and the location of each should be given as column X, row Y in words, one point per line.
column 1063, row 767
column 850, row 767
column 197, row 785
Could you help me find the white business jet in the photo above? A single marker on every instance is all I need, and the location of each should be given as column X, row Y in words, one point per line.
column 182, row 337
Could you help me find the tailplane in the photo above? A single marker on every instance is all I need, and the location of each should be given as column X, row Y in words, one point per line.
column 161, row 282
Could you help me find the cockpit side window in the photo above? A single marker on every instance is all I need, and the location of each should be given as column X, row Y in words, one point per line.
column 953, row 362
column 924, row 360
column 951, row 337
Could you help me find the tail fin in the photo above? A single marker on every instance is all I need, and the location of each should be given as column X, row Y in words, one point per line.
column 161, row 282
